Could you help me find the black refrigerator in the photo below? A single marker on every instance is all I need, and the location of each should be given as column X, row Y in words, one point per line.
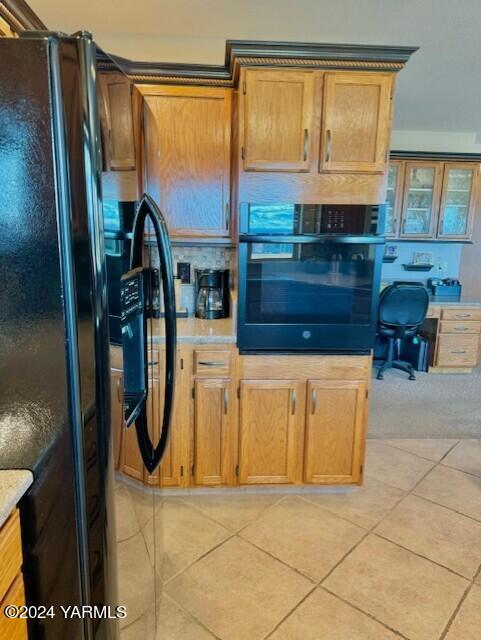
column 54, row 330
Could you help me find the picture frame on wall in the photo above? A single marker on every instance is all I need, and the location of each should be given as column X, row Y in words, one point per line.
column 423, row 257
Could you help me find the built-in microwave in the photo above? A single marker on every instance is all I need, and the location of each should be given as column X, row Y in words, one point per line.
column 309, row 277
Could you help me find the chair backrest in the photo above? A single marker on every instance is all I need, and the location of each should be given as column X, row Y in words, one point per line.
column 403, row 304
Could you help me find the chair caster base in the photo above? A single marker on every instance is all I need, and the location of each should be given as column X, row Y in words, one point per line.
column 412, row 377
column 379, row 377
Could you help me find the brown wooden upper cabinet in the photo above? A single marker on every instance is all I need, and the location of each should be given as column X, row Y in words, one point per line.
column 458, row 201
column 431, row 199
column 115, row 106
column 356, row 122
column 187, row 133
column 394, row 188
column 278, row 107
column 422, row 190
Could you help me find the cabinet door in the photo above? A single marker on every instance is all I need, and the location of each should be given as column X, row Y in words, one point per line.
column 270, row 430
column 117, row 411
column 394, row 194
column 187, row 151
column 356, row 121
column 458, row 201
column 117, row 122
column 422, row 190
column 173, row 469
column 277, row 120
column 153, row 421
column 334, row 431
column 214, row 432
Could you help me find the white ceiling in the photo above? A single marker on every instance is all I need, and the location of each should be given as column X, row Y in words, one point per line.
column 439, row 90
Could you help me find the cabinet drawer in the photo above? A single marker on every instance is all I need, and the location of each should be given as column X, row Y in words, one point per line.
column 13, row 628
column 457, row 351
column 461, row 313
column 212, row 363
column 456, row 326
column 10, row 552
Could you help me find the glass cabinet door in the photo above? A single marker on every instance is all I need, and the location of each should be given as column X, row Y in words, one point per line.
column 421, row 199
column 393, row 197
column 457, row 201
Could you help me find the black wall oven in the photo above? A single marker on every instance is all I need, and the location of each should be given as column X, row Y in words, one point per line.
column 309, row 277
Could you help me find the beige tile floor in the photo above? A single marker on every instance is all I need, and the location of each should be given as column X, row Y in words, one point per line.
column 399, row 557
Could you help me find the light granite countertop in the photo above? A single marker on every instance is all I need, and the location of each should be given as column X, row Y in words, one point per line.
column 197, row 331
column 445, row 301
column 13, row 485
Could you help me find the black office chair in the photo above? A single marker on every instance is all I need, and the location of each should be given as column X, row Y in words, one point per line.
column 402, row 309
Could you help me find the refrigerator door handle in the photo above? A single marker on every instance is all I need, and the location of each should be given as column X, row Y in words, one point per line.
column 152, row 453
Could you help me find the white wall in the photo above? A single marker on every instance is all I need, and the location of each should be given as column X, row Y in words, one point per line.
column 443, row 141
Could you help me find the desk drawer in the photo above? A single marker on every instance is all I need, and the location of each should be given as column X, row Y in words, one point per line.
column 457, row 351
column 461, row 313
column 456, row 326
column 10, row 552
column 212, row 363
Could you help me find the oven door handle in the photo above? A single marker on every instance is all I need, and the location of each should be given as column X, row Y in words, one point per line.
column 312, row 239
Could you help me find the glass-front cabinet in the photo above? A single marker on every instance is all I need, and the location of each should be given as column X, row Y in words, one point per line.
column 394, row 185
column 457, row 201
column 422, row 191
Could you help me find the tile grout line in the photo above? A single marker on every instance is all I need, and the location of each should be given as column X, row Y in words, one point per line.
column 236, row 531
column 393, row 446
column 290, row 612
column 371, row 530
column 194, row 562
column 191, row 615
column 420, row 555
column 460, row 604
column 438, row 504
column 366, row 613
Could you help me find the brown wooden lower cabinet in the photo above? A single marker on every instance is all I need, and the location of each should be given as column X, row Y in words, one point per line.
column 334, row 431
column 11, row 578
column 239, row 427
column 214, row 432
column 269, row 431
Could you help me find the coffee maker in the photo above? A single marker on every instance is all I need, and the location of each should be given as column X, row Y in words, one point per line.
column 212, row 293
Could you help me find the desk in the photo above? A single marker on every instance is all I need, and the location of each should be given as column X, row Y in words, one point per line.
column 455, row 327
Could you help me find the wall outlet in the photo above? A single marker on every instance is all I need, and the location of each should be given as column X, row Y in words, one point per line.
column 183, row 272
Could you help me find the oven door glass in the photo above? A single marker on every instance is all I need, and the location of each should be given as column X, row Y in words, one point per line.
column 309, row 284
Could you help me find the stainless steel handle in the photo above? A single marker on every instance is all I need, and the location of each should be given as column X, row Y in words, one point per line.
column 313, row 401
column 306, row 138
column 119, row 397
column 211, row 363
column 459, row 352
column 153, row 363
column 461, row 328
column 463, row 315
column 226, row 400
column 227, row 216
column 328, row 145
column 293, row 402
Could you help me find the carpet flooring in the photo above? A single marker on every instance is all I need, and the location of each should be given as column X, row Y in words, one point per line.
column 433, row 406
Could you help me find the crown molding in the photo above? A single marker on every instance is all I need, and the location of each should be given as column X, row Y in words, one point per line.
column 20, row 16
column 240, row 53
column 435, row 155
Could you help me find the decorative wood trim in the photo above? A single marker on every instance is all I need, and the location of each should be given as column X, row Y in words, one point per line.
column 435, row 155
column 241, row 53
column 20, row 16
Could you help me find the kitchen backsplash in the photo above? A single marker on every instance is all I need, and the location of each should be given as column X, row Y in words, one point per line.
column 445, row 258
column 199, row 258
